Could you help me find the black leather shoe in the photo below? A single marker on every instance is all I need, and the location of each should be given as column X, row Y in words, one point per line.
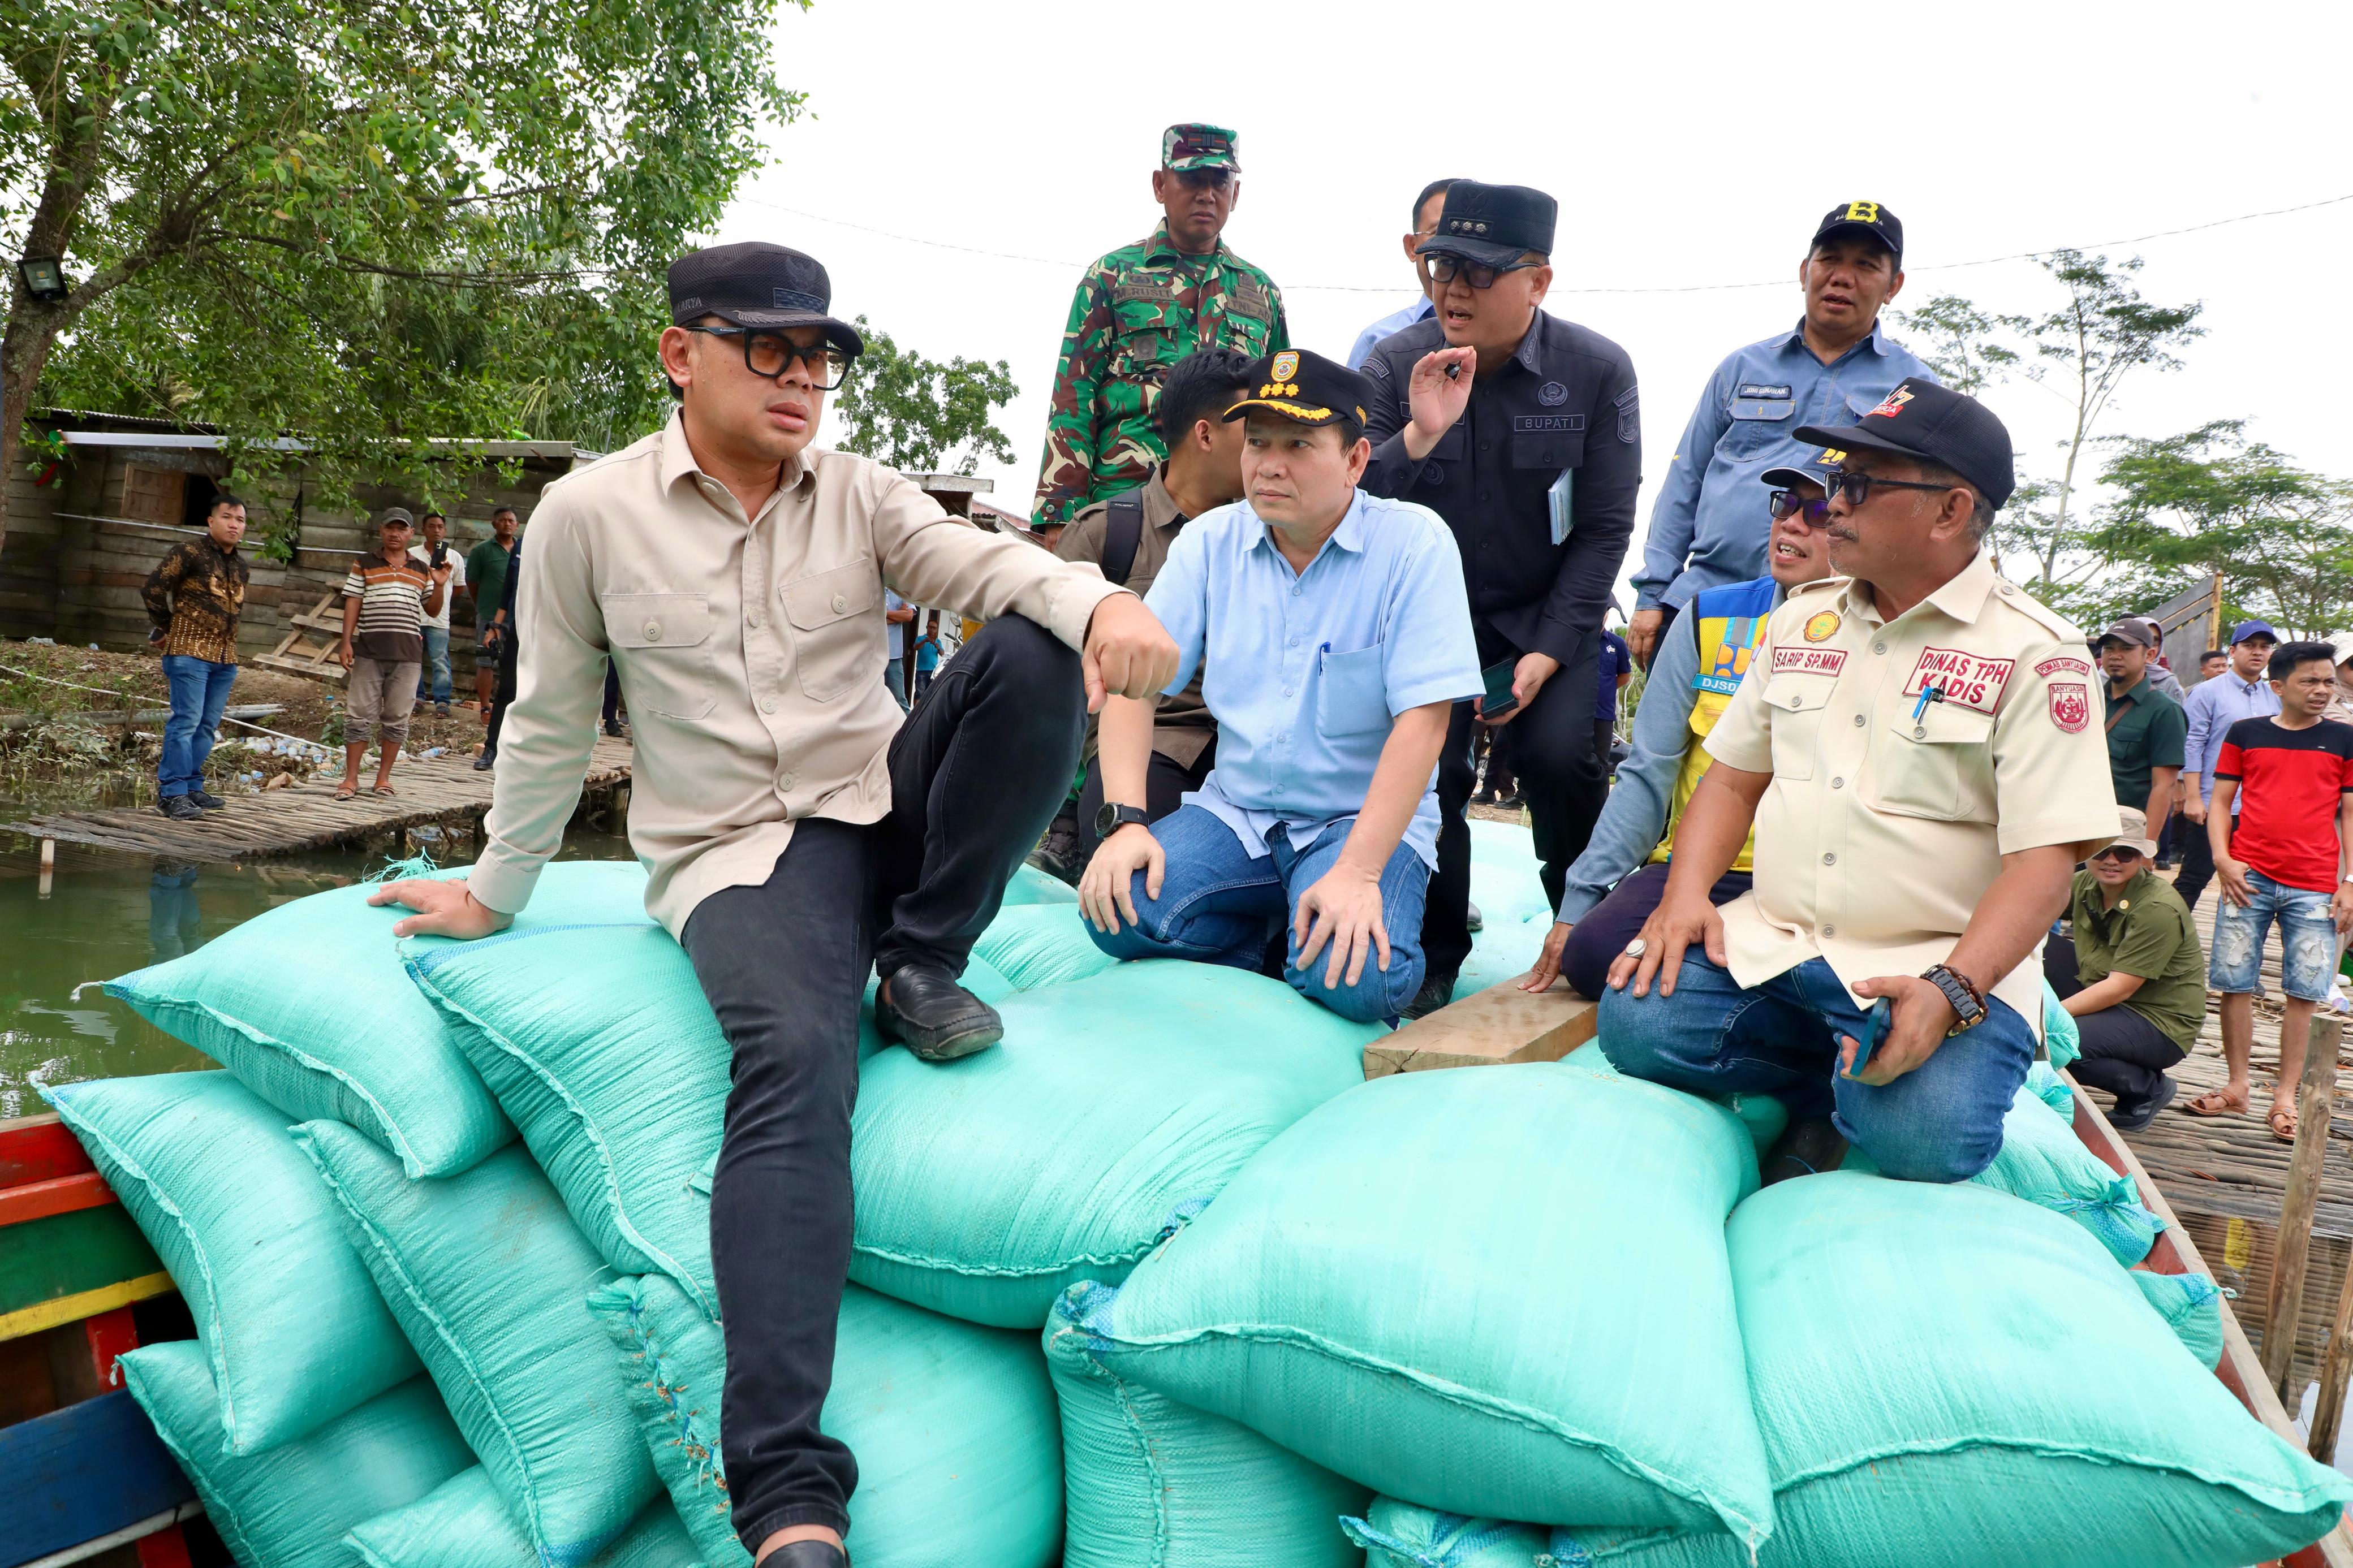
column 1473, row 919
column 485, row 762
column 180, row 808
column 1809, row 1146
column 936, row 1019
column 2133, row 1117
column 1436, row 992
column 206, row 800
column 806, row 1554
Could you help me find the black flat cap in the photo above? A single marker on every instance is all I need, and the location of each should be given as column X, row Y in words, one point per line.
column 1492, row 224
column 757, row 285
column 1921, row 419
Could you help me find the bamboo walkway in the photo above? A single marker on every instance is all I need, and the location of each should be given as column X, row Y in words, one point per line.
column 432, row 790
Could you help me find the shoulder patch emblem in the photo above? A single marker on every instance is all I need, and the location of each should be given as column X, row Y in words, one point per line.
column 2062, row 665
column 1822, row 628
column 1629, row 405
column 1376, row 367
column 1552, row 395
column 2071, row 705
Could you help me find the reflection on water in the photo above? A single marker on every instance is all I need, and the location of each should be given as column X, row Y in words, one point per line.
column 109, row 914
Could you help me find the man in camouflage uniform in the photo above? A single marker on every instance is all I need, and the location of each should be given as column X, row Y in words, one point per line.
column 1140, row 310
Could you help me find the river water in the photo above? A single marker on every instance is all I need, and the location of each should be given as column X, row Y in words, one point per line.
column 107, row 914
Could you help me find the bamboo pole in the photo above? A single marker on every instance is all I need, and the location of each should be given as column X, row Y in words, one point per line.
column 2315, row 1099
column 2328, row 1413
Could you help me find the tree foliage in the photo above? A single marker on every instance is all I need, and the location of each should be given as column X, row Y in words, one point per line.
column 910, row 413
column 364, row 224
column 1961, row 343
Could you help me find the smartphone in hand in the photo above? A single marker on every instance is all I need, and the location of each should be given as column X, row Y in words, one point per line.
column 1498, row 699
column 1875, row 1025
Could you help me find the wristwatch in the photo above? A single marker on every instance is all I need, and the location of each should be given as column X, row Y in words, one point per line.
column 1960, row 993
column 1113, row 816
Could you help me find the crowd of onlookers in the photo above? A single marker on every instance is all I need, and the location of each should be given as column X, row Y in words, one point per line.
column 2244, row 780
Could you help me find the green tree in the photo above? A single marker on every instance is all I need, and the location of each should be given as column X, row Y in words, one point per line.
column 1961, row 342
column 364, row 224
column 909, row 413
column 2208, row 500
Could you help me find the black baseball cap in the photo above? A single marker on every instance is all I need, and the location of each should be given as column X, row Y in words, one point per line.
column 1304, row 385
column 756, row 284
column 1492, row 224
column 1866, row 217
column 1938, row 425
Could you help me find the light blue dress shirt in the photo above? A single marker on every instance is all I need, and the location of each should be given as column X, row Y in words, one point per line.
column 1306, row 671
column 1395, row 321
column 1712, row 521
column 2211, row 708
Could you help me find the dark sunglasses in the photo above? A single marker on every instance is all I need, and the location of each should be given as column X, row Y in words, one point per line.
column 1857, row 487
column 1815, row 511
column 1477, row 274
column 768, row 354
column 2119, row 853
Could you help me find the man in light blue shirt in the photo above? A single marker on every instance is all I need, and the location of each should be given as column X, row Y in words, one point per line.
column 1709, row 525
column 1334, row 631
column 1426, row 209
column 2211, row 708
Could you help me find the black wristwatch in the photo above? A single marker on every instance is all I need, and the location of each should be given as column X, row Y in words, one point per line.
column 1113, row 816
column 1960, row 993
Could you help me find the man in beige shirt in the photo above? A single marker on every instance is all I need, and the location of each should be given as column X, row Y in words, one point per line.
column 1920, row 759
column 1129, row 535
column 788, row 811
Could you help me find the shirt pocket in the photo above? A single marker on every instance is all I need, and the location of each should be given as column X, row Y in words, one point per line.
column 1548, row 450
column 1352, row 696
column 661, row 645
column 1796, row 703
column 1927, row 766
column 1756, row 423
column 839, row 643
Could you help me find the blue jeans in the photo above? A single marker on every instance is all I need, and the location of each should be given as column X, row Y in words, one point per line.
column 894, row 678
column 1939, row 1122
column 1218, row 905
column 2307, row 940
column 435, row 678
column 199, row 693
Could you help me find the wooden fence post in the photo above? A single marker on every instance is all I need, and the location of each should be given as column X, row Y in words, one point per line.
column 2328, row 1412
column 2315, row 1099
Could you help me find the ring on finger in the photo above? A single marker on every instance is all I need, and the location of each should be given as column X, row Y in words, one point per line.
column 1637, row 948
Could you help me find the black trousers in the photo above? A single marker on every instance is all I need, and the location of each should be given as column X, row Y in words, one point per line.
column 975, row 775
column 1595, row 941
column 1565, row 783
column 2123, row 1053
column 2197, row 862
column 1165, row 787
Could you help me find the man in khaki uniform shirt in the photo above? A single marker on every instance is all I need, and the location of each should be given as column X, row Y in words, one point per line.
column 788, row 810
column 1204, row 470
column 1923, row 768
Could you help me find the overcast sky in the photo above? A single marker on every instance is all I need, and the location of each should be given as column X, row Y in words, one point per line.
column 1691, row 146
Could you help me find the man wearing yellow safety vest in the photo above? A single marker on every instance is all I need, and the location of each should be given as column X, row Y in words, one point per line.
column 1615, row 884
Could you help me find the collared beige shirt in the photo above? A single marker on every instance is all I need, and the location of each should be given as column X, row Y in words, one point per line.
column 1182, row 727
column 1888, row 816
column 750, row 651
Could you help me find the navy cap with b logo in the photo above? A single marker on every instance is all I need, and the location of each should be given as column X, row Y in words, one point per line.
column 756, row 284
column 1863, row 218
column 1938, row 425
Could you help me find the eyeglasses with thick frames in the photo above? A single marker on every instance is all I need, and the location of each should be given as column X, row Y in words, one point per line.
column 768, row 354
column 1477, row 274
column 1813, row 510
column 1857, row 487
column 2118, row 853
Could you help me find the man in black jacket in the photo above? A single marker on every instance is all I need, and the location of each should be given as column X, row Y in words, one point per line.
column 1524, row 432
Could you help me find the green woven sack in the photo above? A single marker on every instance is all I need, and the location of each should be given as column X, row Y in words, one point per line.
column 2051, row 1090
column 1515, row 915
column 959, row 1455
column 988, row 1186
column 1151, row 1483
column 290, row 1506
column 1033, row 945
column 461, row 1524
column 1765, row 1117
column 1919, row 1411
column 1403, row 1535
column 292, row 1328
column 486, row 1273
column 1502, row 1292
column 2192, row 1305
column 1031, row 886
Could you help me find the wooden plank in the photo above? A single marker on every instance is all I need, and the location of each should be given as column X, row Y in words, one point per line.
column 69, row 1256
column 1501, row 1023
column 2315, row 1096
column 61, row 1195
column 80, row 1473
column 83, row 1304
column 39, row 1149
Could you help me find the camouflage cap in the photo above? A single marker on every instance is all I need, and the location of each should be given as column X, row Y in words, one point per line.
column 1185, row 147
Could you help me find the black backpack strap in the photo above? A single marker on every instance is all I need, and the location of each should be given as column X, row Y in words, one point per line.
column 1122, row 531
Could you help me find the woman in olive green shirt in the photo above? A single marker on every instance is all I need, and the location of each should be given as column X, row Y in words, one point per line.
column 2133, row 976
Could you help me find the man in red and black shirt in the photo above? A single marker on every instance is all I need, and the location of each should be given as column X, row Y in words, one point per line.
column 2292, row 775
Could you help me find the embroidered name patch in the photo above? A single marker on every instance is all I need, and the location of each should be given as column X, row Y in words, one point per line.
column 2050, row 667
column 1569, row 421
column 1156, row 293
column 2071, row 705
column 1967, row 679
column 1808, row 660
column 1752, row 389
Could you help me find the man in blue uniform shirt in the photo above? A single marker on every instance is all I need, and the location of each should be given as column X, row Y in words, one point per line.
column 1709, row 525
column 1425, row 208
column 1336, row 641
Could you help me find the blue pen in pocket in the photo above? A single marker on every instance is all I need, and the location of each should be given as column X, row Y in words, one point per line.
column 1875, row 1025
